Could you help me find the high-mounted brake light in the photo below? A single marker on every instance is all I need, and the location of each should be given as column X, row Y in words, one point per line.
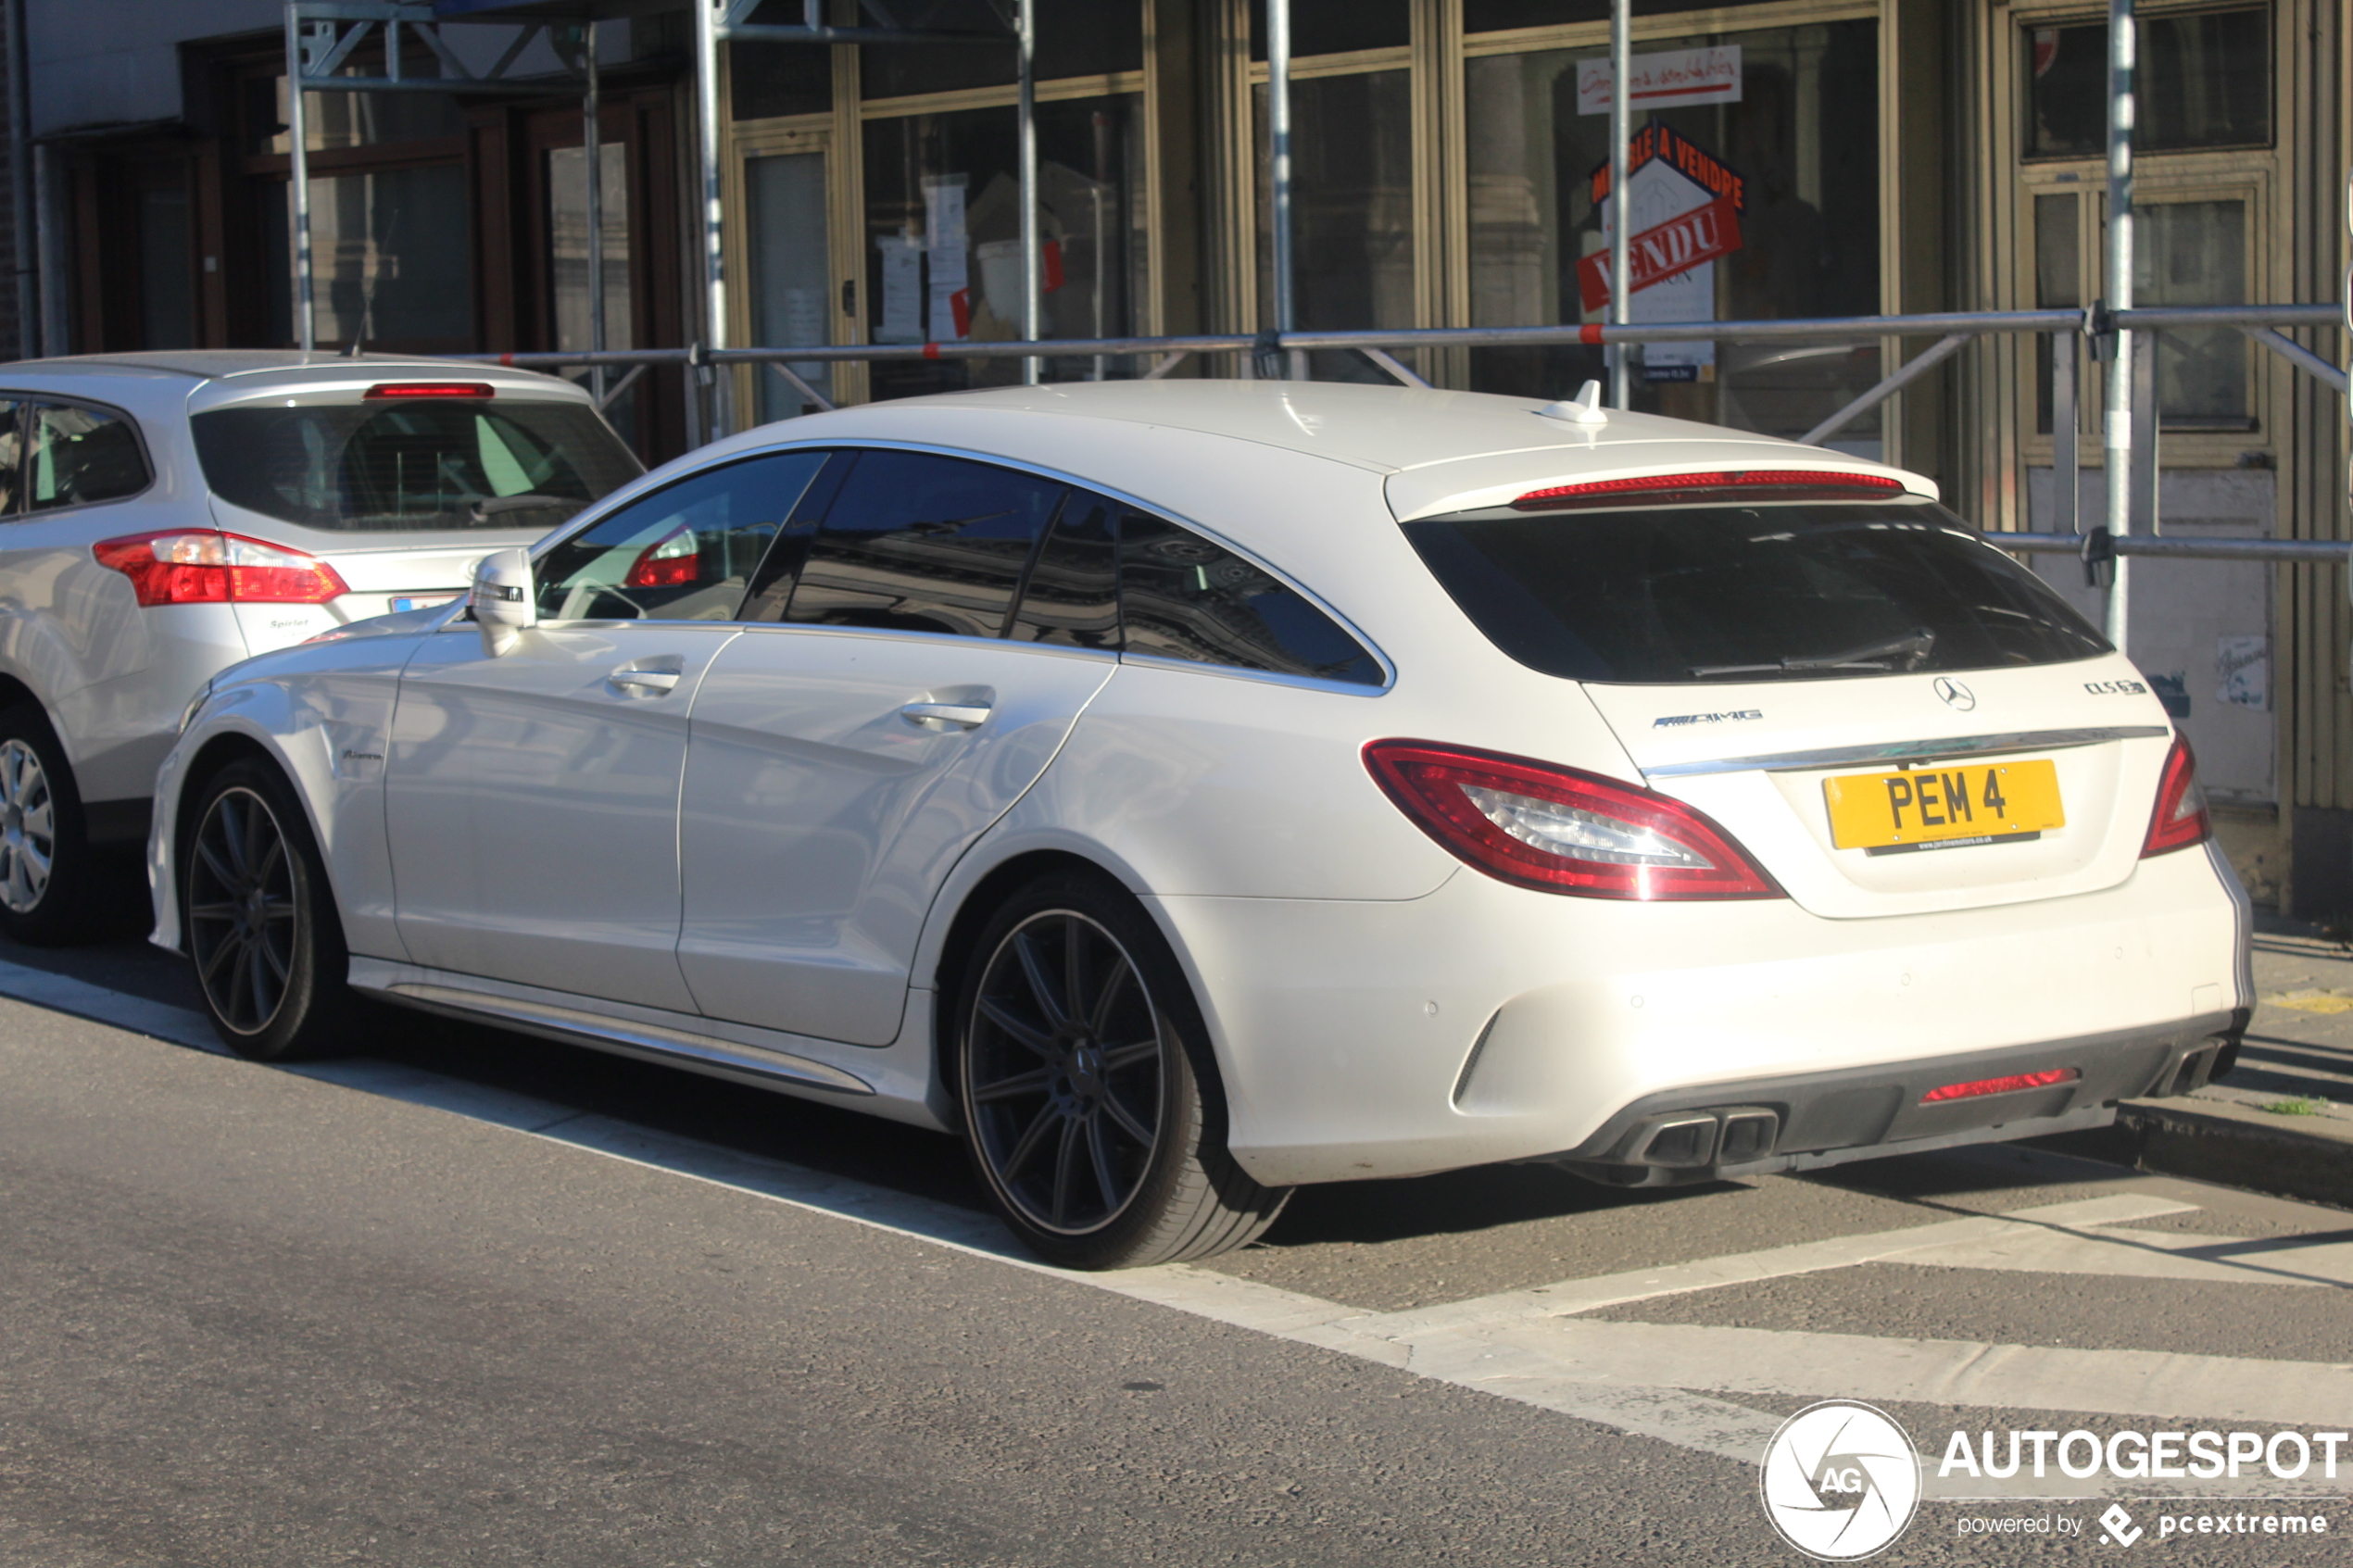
column 2008, row 1085
column 1560, row 831
column 430, row 389
column 2180, row 819
column 192, row 566
column 1686, row 489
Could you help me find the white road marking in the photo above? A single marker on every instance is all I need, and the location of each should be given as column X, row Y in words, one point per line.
column 1953, row 1238
column 1634, row 1377
column 2123, row 1252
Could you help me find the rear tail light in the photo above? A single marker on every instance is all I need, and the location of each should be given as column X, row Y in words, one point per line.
column 430, row 389
column 201, row 566
column 2008, row 1085
column 2180, row 820
column 672, row 561
column 1560, row 831
column 1738, row 487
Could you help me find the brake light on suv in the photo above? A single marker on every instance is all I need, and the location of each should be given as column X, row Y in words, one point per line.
column 1557, row 830
column 2180, row 818
column 189, row 565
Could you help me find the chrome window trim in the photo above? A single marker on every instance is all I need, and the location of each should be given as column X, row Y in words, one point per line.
column 855, row 443
column 1909, row 751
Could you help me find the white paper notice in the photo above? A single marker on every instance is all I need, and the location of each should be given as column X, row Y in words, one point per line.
column 902, row 290
column 944, row 222
column 1655, row 193
column 2243, row 665
column 1664, row 81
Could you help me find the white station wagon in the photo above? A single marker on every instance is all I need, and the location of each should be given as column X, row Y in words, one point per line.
column 1190, row 790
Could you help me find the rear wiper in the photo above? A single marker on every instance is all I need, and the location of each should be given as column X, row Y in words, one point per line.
column 497, row 503
column 1868, row 656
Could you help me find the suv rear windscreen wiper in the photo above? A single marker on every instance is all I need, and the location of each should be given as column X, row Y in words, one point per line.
column 1913, row 646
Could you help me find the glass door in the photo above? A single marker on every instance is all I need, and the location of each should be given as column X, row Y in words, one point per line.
column 567, row 218
column 791, row 267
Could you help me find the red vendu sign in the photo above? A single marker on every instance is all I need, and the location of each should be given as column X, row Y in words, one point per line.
column 1676, row 246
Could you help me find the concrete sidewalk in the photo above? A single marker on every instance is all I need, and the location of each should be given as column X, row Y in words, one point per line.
column 2282, row 1121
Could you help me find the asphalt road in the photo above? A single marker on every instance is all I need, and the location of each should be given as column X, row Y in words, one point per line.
column 471, row 1298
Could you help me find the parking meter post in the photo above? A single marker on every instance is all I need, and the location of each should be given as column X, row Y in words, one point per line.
column 591, row 107
column 298, row 151
column 1278, row 174
column 714, row 278
column 1033, row 310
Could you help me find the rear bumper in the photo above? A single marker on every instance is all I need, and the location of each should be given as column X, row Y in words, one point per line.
column 1803, row 1122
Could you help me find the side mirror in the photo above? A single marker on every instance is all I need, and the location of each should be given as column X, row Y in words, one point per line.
column 504, row 605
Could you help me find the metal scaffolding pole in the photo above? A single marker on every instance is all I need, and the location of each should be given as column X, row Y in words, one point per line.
column 298, row 143
column 707, row 23
column 1033, row 279
column 25, row 226
column 2117, row 433
column 1280, row 171
column 1621, row 120
column 592, row 107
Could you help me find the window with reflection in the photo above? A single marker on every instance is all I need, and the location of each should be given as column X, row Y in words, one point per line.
column 2202, row 81
column 1797, row 155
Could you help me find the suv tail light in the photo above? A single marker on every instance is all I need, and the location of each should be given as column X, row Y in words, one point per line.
column 2180, row 820
column 1560, row 831
column 675, row 560
column 192, row 566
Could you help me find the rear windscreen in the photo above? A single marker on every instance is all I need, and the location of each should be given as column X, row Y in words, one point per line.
column 418, row 463
column 1675, row 594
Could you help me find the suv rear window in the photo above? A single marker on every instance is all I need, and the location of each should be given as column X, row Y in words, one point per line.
column 415, row 463
column 1670, row 595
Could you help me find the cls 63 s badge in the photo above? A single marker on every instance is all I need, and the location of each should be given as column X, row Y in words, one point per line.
column 2116, row 688
column 1841, row 1481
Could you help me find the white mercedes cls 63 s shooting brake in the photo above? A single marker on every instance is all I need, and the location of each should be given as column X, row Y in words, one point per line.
column 1190, row 790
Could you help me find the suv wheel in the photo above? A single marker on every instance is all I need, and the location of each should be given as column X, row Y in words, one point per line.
column 1092, row 1104
column 47, row 870
column 260, row 920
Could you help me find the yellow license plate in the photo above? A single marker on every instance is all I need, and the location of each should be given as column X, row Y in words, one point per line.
column 1944, row 805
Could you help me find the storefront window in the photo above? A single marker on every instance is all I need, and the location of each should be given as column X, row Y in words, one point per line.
column 1497, row 15
column 389, row 260
column 340, row 120
column 1337, row 27
column 787, row 193
column 770, row 81
column 1074, row 37
column 2195, row 253
column 1781, row 174
column 1351, row 210
column 943, row 237
column 568, row 263
column 2203, row 81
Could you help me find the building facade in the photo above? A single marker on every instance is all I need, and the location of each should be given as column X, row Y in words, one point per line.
column 1852, row 158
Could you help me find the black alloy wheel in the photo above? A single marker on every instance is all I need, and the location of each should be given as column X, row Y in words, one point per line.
column 261, row 930
column 1064, row 1076
column 241, row 910
column 1089, row 1100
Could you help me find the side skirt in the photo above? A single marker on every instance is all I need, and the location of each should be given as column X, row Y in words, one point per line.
column 894, row 1082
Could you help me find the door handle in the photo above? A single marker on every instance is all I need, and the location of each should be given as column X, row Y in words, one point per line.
column 949, row 715
column 654, row 681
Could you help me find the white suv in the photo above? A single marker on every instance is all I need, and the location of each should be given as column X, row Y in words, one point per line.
column 170, row 514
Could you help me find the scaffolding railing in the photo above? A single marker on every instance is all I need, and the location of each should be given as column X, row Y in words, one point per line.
column 2103, row 546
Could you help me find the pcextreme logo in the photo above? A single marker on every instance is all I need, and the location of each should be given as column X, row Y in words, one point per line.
column 1841, row 1481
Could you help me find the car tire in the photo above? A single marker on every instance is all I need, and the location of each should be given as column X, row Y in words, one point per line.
column 52, row 889
column 1092, row 1104
column 260, row 922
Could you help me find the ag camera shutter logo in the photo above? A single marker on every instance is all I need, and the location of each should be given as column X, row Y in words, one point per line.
column 1841, row 1481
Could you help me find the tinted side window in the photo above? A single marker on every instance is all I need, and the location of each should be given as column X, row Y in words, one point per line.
column 79, row 455
column 1183, row 596
column 919, row 543
column 1072, row 595
column 684, row 553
